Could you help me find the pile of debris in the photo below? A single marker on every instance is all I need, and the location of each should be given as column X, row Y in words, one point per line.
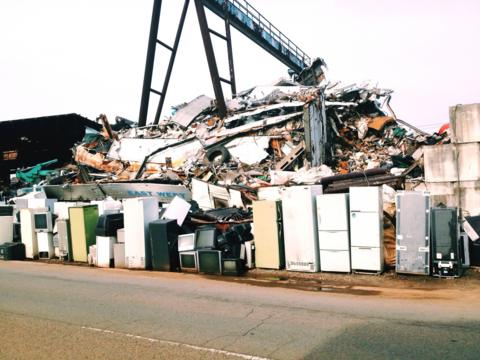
column 273, row 135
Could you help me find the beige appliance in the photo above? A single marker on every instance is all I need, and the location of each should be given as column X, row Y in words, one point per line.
column 268, row 234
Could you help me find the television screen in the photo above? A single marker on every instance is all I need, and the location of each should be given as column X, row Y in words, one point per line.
column 188, row 261
column 41, row 222
column 230, row 265
column 206, row 238
column 233, row 266
column 209, row 262
column 186, row 242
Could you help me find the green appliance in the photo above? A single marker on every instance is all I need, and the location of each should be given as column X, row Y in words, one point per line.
column 83, row 222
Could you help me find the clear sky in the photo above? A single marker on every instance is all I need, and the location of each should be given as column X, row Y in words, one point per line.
column 61, row 56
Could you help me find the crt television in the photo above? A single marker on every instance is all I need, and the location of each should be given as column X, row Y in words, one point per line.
column 189, row 261
column 186, row 242
column 233, row 267
column 206, row 238
column 43, row 221
column 209, row 261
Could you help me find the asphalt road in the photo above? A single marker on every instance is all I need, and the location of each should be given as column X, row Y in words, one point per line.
column 57, row 311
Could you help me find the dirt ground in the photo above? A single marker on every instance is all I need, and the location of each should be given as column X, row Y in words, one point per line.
column 387, row 284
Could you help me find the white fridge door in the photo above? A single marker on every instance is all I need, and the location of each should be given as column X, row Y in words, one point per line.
column 300, row 228
column 335, row 260
column 332, row 212
column 366, row 258
column 365, row 229
column 367, row 198
column 333, row 240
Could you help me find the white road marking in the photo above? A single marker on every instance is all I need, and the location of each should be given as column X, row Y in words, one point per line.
column 166, row 342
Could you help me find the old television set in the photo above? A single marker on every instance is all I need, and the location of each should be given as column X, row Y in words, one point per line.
column 206, row 238
column 43, row 221
column 186, row 242
column 189, row 261
column 209, row 261
column 108, row 224
column 233, row 267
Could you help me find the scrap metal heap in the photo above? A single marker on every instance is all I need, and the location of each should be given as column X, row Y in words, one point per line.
column 281, row 134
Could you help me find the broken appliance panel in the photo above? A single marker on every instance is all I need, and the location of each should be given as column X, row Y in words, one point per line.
column 366, row 228
column 300, row 227
column 268, row 234
column 333, row 234
column 445, row 235
column 64, row 238
column 413, row 232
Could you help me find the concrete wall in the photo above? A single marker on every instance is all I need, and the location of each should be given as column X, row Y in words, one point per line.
column 440, row 162
column 465, row 122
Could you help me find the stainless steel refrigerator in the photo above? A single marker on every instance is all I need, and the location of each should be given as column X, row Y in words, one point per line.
column 413, row 232
column 300, row 227
column 366, row 228
column 333, row 234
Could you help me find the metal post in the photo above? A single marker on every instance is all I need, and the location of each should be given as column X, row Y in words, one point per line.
column 147, row 78
column 171, row 62
column 212, row 64
column 233, row 84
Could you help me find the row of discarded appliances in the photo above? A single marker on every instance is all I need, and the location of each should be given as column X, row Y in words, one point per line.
column 301, row 230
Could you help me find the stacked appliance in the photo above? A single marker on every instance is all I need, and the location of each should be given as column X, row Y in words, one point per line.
column 366, row 229
column 62, row 223
column 187, row 253
column 300, row 227
column 333, row 234
column 163, row 245
column 83, row 222
column 106, row 236
column 208, row 257
column 446, row 247
column 138, row 214
column 268, row 234
column 413, row 232
column 6, row 224
column 43, row 221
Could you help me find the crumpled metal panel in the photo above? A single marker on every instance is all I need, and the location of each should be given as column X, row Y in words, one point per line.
column 186, row 114
column 314, row 119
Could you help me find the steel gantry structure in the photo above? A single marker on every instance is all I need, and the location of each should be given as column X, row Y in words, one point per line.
column 237, row 13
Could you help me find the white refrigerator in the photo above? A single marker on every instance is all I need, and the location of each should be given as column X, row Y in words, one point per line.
column 333, row 235
column 300, row 227
column 366, row 228
column 28, row 233
column 138, row 214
